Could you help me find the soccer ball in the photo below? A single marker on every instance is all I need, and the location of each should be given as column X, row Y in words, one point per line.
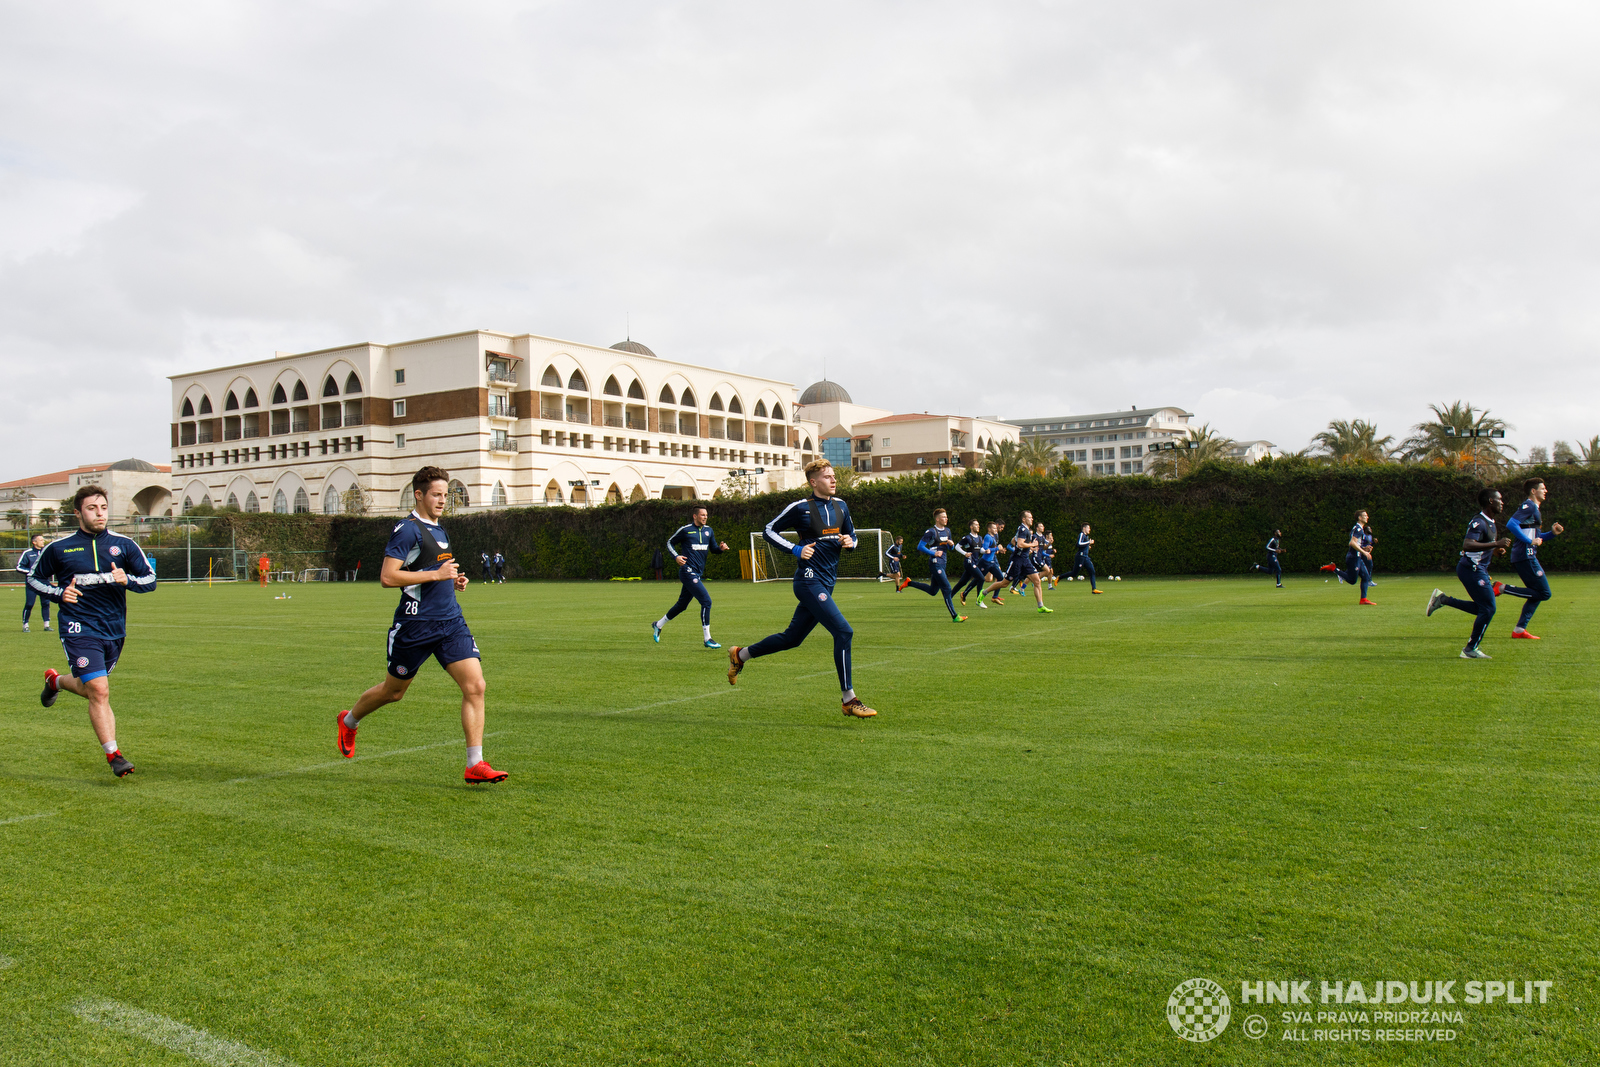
column 1118, row 578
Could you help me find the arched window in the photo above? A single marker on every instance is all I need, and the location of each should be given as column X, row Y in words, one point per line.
column 552, row 493
column 576, row 382
column 551, row 378
column 250, row 400
column 613, row 494
column 251, row 504
column 233, row 501
column 330, row 387
column 188, row 409
column 330, row 501
column 637, row 494
column 300, row 391
column 777, row 412
column 635, row 390
column 278, row 395
column 231, row 403
column 302, row 503
column 734, row 408
column 205, row 405
column 457, row 494
column 761, row 409
column 187, row 504
column 716, row 401
column 498, row 498
column 352, row 384
column 687, row 399
column 613, row 388
column 808, row 445
column 666, row 395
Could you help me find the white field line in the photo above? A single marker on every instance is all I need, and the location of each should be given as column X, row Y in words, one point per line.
column 26, row 818
column 171, row 1034
column 343, row 762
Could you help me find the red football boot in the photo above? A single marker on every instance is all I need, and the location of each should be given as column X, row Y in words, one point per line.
column 347, row 738
column 482, row 772
column 1523, row 635
column 1368, row 603
column 1498, row 586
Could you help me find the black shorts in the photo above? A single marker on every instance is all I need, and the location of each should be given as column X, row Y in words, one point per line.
column 1021, row 568
column 91, row 657
column 413, row 641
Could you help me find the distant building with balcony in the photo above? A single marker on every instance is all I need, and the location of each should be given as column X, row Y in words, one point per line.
column 134, row 488
column 517, row 420
column 1251, row 451
column 906, row 444
column 1109, row 442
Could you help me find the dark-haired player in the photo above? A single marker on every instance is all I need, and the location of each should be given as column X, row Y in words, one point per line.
column 1526, row 537
column 1357, row 569
column 937, row 544
column 24, row 567
column 823, row 529
column 1023, row 570
column 89, row 574
column 688, row 545
column 1082, row 562
column 895, row 553
column 428, row 622
column 1274, row 565
column 1481, row 544
column 971, row 545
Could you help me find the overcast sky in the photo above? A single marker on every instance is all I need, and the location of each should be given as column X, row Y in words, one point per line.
column 1271, row 214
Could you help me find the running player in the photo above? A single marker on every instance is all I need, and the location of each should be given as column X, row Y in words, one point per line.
column 1023, row 571
column 1526, row 537
column 1369, row 542
column 25, row 567
column 689, row 545
column 89, row 575
column 1481, row 544
column 1082, row 562
column 485, row 556
column 971, row 545
column 823, row 528
column 1357, row 568
column 427, row 622
column 500, row 568
column 991, row 567
column 1046, row 555
column 1274, row 566
column 895, row 553
column 936, row 544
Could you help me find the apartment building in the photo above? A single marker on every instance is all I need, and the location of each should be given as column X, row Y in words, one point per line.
column 517, row 419
column 1109, row 442
column 902, row 444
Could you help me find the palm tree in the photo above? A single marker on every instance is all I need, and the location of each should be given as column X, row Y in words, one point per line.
column 1449, row 441
column 1356, row 441
column 1590, row 453
column 1035, row 456
column 1205, row 446
column 1002, row 458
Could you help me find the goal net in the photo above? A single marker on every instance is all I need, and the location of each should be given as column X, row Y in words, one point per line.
column 866, row 563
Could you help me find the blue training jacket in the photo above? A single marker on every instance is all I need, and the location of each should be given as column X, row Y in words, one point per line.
column 822, row 523
column 86, row 560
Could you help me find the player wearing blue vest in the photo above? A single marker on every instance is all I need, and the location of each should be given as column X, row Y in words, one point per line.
column 937, row 544
column 1082, row 562
column 895, row 553
column 24, row 567
column 971, row 545
column 1526, row 537
column 89, row 575
column 688, row 545
column 990, row 564
column 1357, row 569
column 1481, row 545
column 823, row 529
column 428, row 622
column 1274, row 565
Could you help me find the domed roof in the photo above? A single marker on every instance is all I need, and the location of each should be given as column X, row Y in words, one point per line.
column 825, row 392
column 134, row 465
column 634, row 347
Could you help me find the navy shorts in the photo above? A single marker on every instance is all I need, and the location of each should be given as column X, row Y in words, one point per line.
column 413, row 641
column 1021, row 567
column 894, row 566
column 91, row 657
column 992, row 569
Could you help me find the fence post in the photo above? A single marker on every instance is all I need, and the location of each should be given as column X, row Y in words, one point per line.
column 188, row 544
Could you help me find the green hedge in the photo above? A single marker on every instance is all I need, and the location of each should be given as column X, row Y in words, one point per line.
column 1216, row 521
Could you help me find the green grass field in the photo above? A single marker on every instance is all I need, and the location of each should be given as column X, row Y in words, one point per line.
column 1052, row 823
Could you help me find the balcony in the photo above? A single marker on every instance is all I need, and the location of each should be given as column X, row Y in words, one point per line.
column 205, row 437
column 252, row 431
column 352, row 420
column 230, row 435
column 633, row 422
column 330, row 422
column 719, row 435
column 501, row 377
column 503, row 445
column 615, row 420
column 552, row 414
column 578, row 416
column 300, row 426
column 736, row 435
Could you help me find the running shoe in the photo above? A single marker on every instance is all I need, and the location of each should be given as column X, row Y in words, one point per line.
column 119, row 764
column 1474, row 653
column 734, row 665
column 1367, row 603
column 347, row 737
column 25, row 628
column 51, row 689
column 959, row 618
column 1433, row 600
column 997, row 601
column 482, row 772
column 963, row 600
column 854, row 708
column 1523, row 635
column 1498, row 586
column 712, row 644
column 901, row 584
column 47, row 626
column 1046, row 611
column 1330, row 567
column 1097, row 592
column 982, row 605
column 655, row 632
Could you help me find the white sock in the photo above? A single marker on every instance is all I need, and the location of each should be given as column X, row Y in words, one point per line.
column 849, row 695
column 474, row 755
column 350, row 720
column 110, row 746
column 744, row 654
column 662, row 622
column 707, row 629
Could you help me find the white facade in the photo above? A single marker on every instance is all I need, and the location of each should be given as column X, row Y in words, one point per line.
column 1108, row 442
column 905, row 444
column 517, row 420
column 134, row 489
column 1251, row 451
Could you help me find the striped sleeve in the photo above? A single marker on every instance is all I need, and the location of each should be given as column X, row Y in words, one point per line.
column 773, row 537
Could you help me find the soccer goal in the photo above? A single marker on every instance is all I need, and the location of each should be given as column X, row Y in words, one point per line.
column 866, row 563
